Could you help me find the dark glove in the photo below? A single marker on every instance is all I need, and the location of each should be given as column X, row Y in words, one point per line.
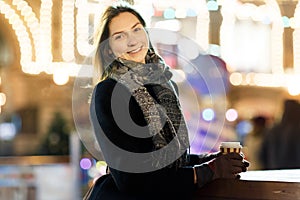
column 202, row 158
column 204, row 174
column 220, row 166
column 208, row 157
column 228, row 166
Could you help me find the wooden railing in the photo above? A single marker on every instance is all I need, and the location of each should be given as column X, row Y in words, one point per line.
column 255, row 185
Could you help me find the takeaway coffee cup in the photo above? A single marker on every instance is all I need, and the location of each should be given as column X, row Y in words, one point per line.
column 228, row 147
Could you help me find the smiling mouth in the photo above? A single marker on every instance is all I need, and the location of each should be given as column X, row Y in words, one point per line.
column 135, row 51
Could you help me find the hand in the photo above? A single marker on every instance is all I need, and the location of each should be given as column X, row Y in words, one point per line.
column 208, row 157
column 197, row 159
column 228, row 165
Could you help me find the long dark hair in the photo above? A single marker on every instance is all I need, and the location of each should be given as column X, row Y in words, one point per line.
column 103, row 57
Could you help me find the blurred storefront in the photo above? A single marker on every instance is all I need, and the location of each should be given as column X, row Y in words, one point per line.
column 45, row 49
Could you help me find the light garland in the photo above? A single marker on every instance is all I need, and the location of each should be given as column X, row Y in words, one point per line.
column 296, row 39
column 233, row 10
column 30, row 20
column 202, row 26
column 68, row 31
column 34, row 35
column 82, row 28
column 289, row 81
column 276, row 37
column 21, row 33
column 44, row 56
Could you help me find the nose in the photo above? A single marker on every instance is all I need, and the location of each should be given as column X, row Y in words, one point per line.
column 131, row 40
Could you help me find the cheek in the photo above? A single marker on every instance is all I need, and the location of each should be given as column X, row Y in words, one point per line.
column 145, row 40
column 118, row 48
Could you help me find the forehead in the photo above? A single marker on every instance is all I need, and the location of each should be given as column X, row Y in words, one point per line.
column 123, row 22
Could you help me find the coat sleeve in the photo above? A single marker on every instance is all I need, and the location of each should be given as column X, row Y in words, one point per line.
column 110, row 107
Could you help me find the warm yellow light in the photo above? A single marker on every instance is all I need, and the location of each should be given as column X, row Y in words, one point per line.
column 31, row 21
column 245, row 11
column 292, row 22
column 249, row 78
column 25, row 23
column 180, row 13
column 68, row 30
column 2, row 99
column 44, row 55
column 20, row 31
column 293, row 85
column 100, row 164
column 259, row 79
column 60, row 79
column 60, row 75
column 202, row 25
column 296, row 38
column 172, row 25
column 233, row 10
column 269, row 80
column 236, row 79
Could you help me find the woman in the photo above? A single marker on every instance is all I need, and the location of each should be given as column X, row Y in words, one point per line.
column 138, row 120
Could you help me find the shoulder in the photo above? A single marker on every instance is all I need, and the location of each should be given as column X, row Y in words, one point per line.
column 109, row 88
column 102, row 92
column 105, row 85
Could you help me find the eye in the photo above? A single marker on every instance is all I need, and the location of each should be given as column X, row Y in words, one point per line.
column 118, row 36
column 137, row 29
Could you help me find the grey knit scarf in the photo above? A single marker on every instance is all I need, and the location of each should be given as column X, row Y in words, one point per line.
column 164, row 116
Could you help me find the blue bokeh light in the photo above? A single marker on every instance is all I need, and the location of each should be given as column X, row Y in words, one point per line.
column 208, row 114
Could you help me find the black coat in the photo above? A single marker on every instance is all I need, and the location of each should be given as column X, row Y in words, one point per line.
column 165, row 183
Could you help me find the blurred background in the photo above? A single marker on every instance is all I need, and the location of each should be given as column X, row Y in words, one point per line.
column 238, row 90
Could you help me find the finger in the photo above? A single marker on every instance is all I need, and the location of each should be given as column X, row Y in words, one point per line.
column 236, row 170
column 235, row 156
column 244, row 169
column 246, row 163
column 237, row 163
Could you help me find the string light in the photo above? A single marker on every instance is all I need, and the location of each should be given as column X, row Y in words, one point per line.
column 21, row 33
column 34, row 34
column 2, row 99
column 68, row 32
column 30, row 20
column 202, row 25
column 296, row 38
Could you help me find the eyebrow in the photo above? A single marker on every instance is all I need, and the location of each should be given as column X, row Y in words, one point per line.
column 123, row 31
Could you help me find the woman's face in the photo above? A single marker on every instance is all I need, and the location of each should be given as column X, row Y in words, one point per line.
column 128, row 38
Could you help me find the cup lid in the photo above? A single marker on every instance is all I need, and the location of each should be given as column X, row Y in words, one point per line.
column 230, row 145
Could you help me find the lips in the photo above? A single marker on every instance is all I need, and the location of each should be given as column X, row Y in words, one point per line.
column 135, row 50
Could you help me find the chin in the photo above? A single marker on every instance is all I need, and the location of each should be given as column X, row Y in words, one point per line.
column 140, row 60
